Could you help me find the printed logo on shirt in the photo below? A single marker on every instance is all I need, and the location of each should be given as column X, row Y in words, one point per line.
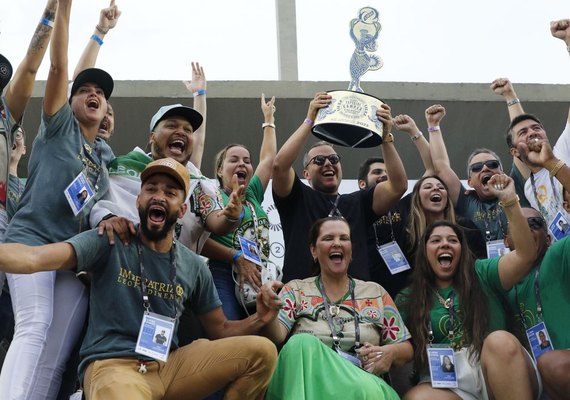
column 162, row 290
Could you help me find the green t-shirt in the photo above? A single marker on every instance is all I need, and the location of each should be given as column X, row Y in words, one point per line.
column 254, row 197
column 116, row 306
column 488, row 274
column 554, row 284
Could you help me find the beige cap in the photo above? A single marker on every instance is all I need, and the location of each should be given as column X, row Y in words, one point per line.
column 169, row 167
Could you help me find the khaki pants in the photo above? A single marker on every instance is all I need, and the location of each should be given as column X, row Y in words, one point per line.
column 243, row 364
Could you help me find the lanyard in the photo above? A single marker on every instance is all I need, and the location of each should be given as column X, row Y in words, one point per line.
column 87, row 152
column 146, row 303
column 486, row 218
column 448, row 304
column 336, row 340
column 538, row 299
column 392, row 236
column 543, row 210
column 335, row 212
column 254, row 220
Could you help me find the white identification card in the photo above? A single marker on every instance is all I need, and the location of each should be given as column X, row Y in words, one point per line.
column 393, row 257
column 250, row 250
column 559, row 227
column 349, row 357
column 78, row 193
column 155, row 336
column 441, row 363
column 539, row 340
column 497, row 248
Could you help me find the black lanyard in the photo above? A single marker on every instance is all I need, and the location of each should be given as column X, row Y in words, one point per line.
column 336, row 339
column 146, row 303
column 335, row 212
column 487, row 218
column 538, row 299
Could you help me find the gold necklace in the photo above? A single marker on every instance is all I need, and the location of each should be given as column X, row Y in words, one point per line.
column 444, row 302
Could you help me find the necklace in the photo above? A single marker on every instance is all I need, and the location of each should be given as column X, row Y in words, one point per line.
column 444, row 302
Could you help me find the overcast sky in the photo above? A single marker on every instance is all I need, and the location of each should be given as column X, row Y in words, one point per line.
column 421, row 41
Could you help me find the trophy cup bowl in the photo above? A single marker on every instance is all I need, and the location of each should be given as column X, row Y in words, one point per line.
column 350, row 120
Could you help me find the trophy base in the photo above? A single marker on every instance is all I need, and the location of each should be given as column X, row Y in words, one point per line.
column 350, row 120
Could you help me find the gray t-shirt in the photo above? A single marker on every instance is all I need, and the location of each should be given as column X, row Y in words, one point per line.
column 487, row 215
column 59, row 154
column 116, row 304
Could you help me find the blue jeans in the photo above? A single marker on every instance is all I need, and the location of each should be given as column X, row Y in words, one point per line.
column 224, row 282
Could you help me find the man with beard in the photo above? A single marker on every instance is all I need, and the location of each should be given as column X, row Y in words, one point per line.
column 299, row 205
column 172, row 135
column 153, row 280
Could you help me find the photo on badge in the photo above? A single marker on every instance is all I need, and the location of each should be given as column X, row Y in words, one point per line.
column 559, row 226
column 250, row 250
column 155, row 336
column 393, row 257
column 496, row 248
column 78, row 193
column 539, row 340
column 442, row 367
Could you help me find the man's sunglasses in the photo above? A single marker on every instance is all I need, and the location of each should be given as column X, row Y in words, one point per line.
column 536, row 223
column 320, row 159
column 478, row 166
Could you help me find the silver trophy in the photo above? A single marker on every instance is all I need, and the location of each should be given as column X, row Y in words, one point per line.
column 350, row 120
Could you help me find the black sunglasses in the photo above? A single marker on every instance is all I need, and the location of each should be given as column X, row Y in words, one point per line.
column 320, row 159
column 478, row 166
column 536, row 223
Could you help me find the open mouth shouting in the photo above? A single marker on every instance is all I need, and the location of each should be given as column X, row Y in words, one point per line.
column 156, row 214
column 436, row 197
column 445, row 260
column 486, row 177
column 336, row 257
column 242, row 176
column 93, row 103
column 177, row 146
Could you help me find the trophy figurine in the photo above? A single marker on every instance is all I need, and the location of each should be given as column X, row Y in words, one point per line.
column 350, row 120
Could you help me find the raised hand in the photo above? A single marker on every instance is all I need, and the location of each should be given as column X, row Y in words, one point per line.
column 503, row 187
column 235, row 204
column 108, row 18
column 405, row 123
column 321, row 100
column 434, row 114
column 503, row 87
column 198, row 81
column 561, row 30
column 268, row 108
column 384, row 114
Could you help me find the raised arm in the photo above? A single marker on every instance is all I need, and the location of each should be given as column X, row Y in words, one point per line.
column 56, row 86
column 517, row 264
column 21, row 86
column 197, row 86
column 269, row 143
column 439, row 157
column 108, row 18
column 389, row 192
column 561, row 30
column 16, row 258
column 283, row 173
column 405, row 123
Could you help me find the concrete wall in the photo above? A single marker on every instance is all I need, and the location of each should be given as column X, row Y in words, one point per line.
column 475, row 116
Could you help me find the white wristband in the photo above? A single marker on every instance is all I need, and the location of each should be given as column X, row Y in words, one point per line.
column 267, row 125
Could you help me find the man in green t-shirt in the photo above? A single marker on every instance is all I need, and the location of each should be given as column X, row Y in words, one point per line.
column 547, row 284
column 153, row 280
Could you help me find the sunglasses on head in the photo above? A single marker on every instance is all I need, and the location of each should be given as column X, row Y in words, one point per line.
column 478, row 166
column 320, row 159
column 536, row 223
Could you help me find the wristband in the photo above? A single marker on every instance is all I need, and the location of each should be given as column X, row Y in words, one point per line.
column 417, row 136
column 101, row 30
column 199, row 92
column 97, row 39
column 236, row 256
column 233, row 220
column 309, row 121
column 267, row 125
column 433, row 129
column 510, row 202
column 46, row 22
column 513, row 102
column 557, row 167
